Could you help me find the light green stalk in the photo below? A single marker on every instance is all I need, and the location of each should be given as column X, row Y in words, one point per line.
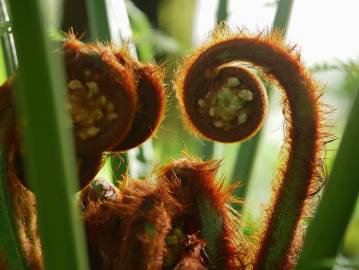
column 325, row 232
column 40, row 100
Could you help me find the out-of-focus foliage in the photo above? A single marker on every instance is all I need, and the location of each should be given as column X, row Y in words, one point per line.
column 176, row 19
column 351, row 247
column 5, row 27
column 349, row 72
column 149, row 42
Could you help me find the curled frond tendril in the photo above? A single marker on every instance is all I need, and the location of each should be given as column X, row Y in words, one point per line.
column 228, row 105
column 208, row 94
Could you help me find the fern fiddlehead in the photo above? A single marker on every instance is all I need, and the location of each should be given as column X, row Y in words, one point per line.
column 296, row 178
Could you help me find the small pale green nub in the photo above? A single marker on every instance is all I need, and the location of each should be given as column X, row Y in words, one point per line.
column 227, row 106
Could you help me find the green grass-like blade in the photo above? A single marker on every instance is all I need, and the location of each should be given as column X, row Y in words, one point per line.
column 142, row 32
column 9, row 240
column 247, row 152
column 326, row 229
column 98, row 21
column 40, row 100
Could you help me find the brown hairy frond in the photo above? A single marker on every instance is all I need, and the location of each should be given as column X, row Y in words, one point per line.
column 300, row 173
column 193, row 182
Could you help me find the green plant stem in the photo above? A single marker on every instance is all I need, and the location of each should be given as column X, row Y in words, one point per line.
column 326, row 229
column 40, row 100
column 98, row 20
column 247, row 152
column 7, row 42
column 142, row 31
column 108, row 20
column 282, row 16
column 222, row 11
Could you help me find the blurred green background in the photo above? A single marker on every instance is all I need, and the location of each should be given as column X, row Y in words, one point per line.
column 164, row 31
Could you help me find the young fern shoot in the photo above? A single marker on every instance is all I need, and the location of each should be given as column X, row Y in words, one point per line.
column 227, row 106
